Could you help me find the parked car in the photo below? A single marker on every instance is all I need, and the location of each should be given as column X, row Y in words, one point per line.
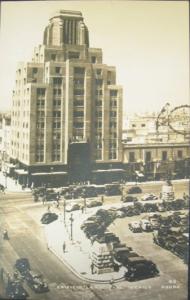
column 15, row 290
column 112, row 189
column 147, row 197
column 145, row 225
column 35, row 282
column 150, row 207
column 93, row 203
column 139, row 268
column 73, row 207
column 22, row 265
column 48, row 218
column 129, row 199
column 134, row 190
column 135, row 226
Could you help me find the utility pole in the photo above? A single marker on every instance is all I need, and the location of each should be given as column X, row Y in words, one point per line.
column 71, row 219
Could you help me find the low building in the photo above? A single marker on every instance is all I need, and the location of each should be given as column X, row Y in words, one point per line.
column 156, row 160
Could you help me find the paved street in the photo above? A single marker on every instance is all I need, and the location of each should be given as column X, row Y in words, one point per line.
column 21, row 216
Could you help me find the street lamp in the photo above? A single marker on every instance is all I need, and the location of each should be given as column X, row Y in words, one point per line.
column 64, row 211
column 71, row 219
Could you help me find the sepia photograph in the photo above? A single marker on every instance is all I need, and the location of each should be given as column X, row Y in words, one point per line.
column 94, row 150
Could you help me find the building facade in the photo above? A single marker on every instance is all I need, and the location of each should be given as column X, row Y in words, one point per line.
column 155, row 161
column 66, row 109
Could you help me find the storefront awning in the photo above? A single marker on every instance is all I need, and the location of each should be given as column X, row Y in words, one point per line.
column 21, row 172
column 109, row 170
column 48, row 173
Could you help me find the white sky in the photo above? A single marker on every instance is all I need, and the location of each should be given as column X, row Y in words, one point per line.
column 147, row 41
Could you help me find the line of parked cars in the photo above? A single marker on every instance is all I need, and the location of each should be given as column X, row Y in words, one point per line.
column 137, row 267
column 15, row 290
column 173, row 240
column 34, row 280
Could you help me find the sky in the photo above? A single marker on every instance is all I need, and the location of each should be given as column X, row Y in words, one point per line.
column 147, row 42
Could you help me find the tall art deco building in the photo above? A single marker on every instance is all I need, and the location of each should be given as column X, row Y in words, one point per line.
column 67, row 109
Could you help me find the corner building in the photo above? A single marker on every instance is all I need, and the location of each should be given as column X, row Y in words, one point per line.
column 67, row 110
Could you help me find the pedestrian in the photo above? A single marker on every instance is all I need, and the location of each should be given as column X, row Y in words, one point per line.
column 92, row 268
column 57, row 204
column 102, row 199
column 43, row 200
column 112, row 284
column 48, row 208
column 82, row 209
column 2, row 272
column 64, row 247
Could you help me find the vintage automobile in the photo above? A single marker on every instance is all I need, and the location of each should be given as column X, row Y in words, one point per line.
column 134, row 190
column 22, row 265
column 112, row 189
column 93, row 203
column 48, row 218
column 15, row 290
column 135, row 226
column 129, row 199
column 139, row 268
column 147, row 197
column 35, row 282
column 145, row 225
column 73, row 207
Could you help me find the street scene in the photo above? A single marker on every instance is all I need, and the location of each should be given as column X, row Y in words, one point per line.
column 94, row 150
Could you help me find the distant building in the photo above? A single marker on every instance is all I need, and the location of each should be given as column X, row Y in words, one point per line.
column 142, row 129
column 5, row 135
column 66, row 109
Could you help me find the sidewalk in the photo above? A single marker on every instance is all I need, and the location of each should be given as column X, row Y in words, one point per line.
column 11, row 185
column 77, row 254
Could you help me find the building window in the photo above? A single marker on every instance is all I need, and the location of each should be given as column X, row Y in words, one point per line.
column 78, row 124
column 113, row 114
column 113, row 103
column 98, row 154
column 74, row 55
column 79, row 81
column 78, row 103
column 35, row 70
column 55, row 156
column 148, row 156
column 41, row 91
column 112, row 155
column 56, row 125
column 180, row 154
column 79, row 92
column 98, row 71
column 53, row 56
column 56, row 102
column 57, row 70
column 56, row 114
column 57, row 91
column 78, row 70
column 113, row 93
column 39, row 157
column 98, row 102
column 164, row 155
column 98, row 92
column 99, row 114
column 57, row 80
column 98, row 124
column 113, row 124
column 131, row 156
column 99, row 81
column 133, row 125
column 93, row 59
column 143, row 125
column 78, row 114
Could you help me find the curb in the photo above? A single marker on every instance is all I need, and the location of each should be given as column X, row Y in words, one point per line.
column 81, row 276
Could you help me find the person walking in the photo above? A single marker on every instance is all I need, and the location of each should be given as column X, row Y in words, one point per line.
column 2, row 273
column 64, row 247
column 92, row 268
